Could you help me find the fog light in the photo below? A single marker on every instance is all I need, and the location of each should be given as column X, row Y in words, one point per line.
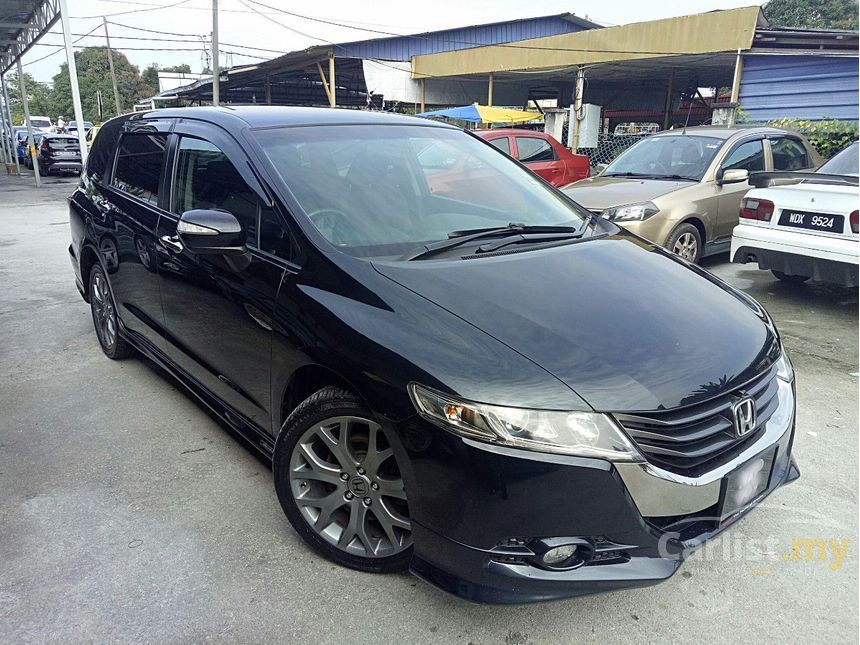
column 559, row 554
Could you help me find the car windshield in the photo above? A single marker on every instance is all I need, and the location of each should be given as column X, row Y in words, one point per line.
column 844, row 163
column 385, row 191
column 674, row 156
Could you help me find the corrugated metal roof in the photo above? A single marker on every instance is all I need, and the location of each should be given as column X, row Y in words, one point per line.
column 403, row 48
column 799, row 87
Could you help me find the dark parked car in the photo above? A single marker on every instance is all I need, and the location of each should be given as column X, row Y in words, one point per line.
column 58, row 153
column 516, row 400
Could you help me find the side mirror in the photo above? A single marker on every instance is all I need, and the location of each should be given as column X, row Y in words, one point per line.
column 732, row 176
column 211, row 232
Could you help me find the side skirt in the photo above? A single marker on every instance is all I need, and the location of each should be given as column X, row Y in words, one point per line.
column 253, row 434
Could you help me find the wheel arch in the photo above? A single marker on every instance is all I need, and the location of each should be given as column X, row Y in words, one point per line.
column 306, row 380
column 89, row 257
column 699, row 223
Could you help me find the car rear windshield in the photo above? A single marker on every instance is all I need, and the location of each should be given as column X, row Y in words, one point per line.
column 383, row 191
column 63, row 143
column 687, row 156
column 844, row 163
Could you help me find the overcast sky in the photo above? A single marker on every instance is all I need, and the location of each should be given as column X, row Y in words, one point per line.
column 241, row 26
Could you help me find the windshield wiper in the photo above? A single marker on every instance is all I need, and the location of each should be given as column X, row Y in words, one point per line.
column 675, row 177
column 457, row 238
column 624, row 174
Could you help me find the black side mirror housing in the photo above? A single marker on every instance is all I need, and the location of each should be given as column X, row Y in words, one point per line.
column 211, row 232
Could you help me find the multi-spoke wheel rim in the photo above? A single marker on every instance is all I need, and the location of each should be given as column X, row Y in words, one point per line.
column 104, row 313
column 345, row 481
column 686, row 246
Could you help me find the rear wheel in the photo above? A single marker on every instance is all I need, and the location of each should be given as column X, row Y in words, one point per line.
column 791, row 279
column 104, row 316
column 340, row 486
column 686, row 241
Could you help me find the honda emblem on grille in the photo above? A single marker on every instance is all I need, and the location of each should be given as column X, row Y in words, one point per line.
column 744, row 413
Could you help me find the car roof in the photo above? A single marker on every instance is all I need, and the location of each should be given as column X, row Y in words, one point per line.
column 259, row 116
column 507, row 131
column 718, row 132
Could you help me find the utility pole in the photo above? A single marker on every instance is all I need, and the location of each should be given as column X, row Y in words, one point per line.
column 216, row 71
column 112, row 73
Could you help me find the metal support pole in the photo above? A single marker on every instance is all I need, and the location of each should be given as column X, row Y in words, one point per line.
column 268, row 90
column 490, row 91
column 25, row 103
column 216, row 67
column 9, row 115
column 736, row 88
column 4, row 146
column 577, row 106
column 112, row 73
column 331, row 83
column 422, row 94
column 667, row 109
column 73, row 79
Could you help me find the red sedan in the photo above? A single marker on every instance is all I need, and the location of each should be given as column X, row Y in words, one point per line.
column 540, row 153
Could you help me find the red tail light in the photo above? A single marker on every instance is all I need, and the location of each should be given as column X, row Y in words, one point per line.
column 44, row 146
column 760, row 209
column 855, row 225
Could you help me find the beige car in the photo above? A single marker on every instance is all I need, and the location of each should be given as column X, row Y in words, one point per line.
column 682, row 189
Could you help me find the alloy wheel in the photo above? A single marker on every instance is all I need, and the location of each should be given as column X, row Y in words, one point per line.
column 104, row 312
column 686, row 246
column 345, row 482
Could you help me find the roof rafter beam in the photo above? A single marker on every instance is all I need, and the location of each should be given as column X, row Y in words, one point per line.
column 45, row 14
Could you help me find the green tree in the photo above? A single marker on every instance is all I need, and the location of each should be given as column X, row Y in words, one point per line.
column 94, row 76
column 812, row 14
column 38, row 98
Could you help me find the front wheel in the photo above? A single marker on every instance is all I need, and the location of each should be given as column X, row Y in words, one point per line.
column 686, row 241
column 340, row 486
column 791, row 279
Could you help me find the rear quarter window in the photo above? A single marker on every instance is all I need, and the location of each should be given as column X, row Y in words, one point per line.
column 138, row 165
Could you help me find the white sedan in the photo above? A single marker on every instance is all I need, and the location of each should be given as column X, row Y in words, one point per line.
column 805, row 230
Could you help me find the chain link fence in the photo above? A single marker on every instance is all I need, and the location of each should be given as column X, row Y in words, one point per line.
column 609, row 145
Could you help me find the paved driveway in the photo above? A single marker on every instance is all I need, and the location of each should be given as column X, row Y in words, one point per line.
column 128, row 513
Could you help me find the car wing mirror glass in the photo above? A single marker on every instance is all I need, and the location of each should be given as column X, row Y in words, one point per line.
column 733, row 176
column 211, row 232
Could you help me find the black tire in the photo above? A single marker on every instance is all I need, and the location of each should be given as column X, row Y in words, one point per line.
column 680, row 240
column 790, row 279
column 325, row 405
column 103, row 309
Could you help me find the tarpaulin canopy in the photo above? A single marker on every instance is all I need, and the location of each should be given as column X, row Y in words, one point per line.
column 484, row 114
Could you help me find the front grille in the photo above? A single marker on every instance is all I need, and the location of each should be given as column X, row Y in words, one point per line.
column 697, row 438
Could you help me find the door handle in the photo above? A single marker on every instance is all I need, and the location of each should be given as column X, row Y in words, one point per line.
column 171, row 243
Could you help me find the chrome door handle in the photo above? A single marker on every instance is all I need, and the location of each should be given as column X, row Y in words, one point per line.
column 172, row 243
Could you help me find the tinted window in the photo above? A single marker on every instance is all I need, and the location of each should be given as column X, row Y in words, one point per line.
column 534, row 149
column 845, row 163
column 206, row 178
column 138, row 165
column 788, row 154
column 502, row 143
column 747, row 156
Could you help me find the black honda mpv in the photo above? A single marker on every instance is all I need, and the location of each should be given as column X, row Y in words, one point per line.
column 453, row 367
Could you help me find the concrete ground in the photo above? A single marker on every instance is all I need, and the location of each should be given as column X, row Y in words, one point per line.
column 128, row 514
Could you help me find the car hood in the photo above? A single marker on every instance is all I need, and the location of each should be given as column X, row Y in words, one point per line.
column 597, row 193
column 619, row 321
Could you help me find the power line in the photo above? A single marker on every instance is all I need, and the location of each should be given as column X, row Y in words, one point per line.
column 169, row 40
column 33, row 62
column 124, row 13
column 270, row 19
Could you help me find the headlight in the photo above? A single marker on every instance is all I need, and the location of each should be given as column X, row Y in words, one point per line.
column 630, row 212
column 784, row 370
column 585, row 434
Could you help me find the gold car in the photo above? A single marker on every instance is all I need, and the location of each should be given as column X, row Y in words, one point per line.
column 682, row 189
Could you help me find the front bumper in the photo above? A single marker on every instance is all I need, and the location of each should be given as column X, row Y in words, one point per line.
column 483, row 514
